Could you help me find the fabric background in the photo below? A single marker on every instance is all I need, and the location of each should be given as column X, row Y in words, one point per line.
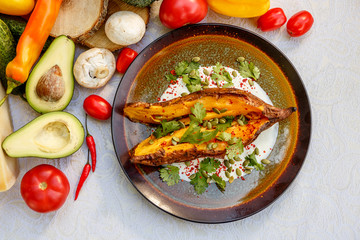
column 322, row 203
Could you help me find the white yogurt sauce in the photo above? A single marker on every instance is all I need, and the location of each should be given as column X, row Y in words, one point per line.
column 264, row 142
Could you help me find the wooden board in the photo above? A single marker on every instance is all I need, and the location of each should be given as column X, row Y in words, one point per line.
column 99, row 39
column 78, row 20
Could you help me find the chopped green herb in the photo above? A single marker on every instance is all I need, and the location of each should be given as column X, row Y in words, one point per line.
column 181, row 67
column 249, row 70
column 195, row 136
column 223, row 126
column 224, row 136
column 219, row 73
column 194, row 88
column 253, row 162
column 170, row 77
column 209, row 164
column 220, row 183
column 199, row 112
column 170, row 175
column 166, row 128
column 235, row 149
column 199, row 182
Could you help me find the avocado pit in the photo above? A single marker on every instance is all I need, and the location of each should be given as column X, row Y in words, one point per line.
column 51, row 86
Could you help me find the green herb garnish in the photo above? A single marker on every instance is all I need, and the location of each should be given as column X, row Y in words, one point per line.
column 253, row 162
column 199, row 182
column 209, row 165
column 170, row 175
column 249, row 70
column 235, row 149
column 166, row 127
column 220, row 183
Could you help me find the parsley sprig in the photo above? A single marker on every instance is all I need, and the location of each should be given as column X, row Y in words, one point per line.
column 166, row 127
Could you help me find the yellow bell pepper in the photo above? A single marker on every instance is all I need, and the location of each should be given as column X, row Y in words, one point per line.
column 16, row 7
column 240, row 8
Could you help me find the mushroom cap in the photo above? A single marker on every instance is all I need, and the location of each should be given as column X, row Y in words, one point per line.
column 125, row 28
column 94, row 67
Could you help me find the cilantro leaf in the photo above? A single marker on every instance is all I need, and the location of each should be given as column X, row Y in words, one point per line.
column 195, row 136
column 224, row 136
column 166, row 128
column 170, row 175
column 253, row 162
column 181, row 67
column 219, row 73
column 170, row 77
column 192, row 66
column 209, row 165
column 220, row 183
column 199, row 183
column 199, row 111
column 194, row 88
column 223, row 126
column 249, row 70
column 235, row 149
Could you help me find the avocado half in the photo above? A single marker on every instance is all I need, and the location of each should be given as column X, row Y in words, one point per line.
column 51, row 135
column 50, row 85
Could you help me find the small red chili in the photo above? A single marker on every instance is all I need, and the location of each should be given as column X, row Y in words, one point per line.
column 90, row 142
column 83, row 177
column 125, row 58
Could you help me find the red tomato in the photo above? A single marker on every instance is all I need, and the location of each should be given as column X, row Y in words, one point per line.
column 271, row 20
column 125, row 58
column 97, row 107
column 177, row 13
column 300, row 23
column 44, row 188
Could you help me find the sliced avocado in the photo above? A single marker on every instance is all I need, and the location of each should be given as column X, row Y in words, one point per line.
column 50, row 86
column 51, row 135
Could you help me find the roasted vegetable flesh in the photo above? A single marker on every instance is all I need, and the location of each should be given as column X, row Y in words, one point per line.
column 236, row 102
column 160, row 151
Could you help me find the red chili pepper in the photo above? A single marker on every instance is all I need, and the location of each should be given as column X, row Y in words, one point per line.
column 83, row 177
column 125, row 58
column 90, row 142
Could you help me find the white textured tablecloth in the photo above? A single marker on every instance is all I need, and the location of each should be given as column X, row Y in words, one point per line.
column 322, row 203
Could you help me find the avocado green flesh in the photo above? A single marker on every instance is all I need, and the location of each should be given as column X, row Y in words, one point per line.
column 52, row 135
column 61, row 52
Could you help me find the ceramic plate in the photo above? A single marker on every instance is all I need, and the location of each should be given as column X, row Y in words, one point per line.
column 145, row 81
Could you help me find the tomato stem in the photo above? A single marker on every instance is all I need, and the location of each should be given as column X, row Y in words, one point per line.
column 43, row 185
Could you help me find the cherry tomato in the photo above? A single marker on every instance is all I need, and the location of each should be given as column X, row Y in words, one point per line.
column 125, row 58
column 271, row 20
column 300, row 23
column 97, row 107
column 44, row 188
column 177, row 13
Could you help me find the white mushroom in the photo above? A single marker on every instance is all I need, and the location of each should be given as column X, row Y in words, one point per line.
column 94, row 67
column 125, row 28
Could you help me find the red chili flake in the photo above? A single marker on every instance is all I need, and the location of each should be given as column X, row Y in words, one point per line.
column 173, row 72
column 200, row 177
column 182, row 180
column 242, row 178
column 158, row 99
column 164, row 99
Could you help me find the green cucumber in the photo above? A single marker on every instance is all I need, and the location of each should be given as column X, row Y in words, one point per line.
column 7, row 50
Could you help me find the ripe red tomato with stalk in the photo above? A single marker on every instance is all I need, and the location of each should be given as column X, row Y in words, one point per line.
column 44, row 188
column 271, row 20
column 125, row 58
column 97, row 107
column 300, row 23
column 177, row 13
